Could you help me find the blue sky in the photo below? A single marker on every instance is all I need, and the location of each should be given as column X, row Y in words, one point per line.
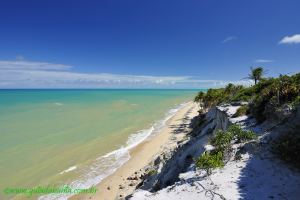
column 142, row 43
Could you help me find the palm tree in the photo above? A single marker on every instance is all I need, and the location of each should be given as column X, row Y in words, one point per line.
column 256, row 74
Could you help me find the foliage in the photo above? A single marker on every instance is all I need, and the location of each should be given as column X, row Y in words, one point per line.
column 287, row 148
column 210, row 161
column 221, row 141
column 243, row 110
column 214, row 97
column 272, row 93
column 265, row 97
column 240, row 134
column 152, row 172
column 231, row 90
column 244, row 94
column 296, row 101
column 199, row 97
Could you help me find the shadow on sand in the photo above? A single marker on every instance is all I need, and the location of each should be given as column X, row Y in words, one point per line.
column 267, row 177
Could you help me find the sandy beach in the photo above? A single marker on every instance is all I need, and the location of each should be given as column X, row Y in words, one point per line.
column 121, row 183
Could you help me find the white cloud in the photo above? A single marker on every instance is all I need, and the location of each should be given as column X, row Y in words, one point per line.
column 29, row 65
column 228, row 39
column 294, row 39
column 27, row 74
column 263, row 61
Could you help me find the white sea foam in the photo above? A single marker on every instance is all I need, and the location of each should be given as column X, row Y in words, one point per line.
column 69, row 169
column 58, row 104
column 109, row 163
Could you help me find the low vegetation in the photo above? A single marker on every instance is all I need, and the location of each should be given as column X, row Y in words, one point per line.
column 209, row 161
column 265, row 97
column 287, row 147
column 152, row 172
column 243, row 110
column 222, row 142
column 241, row 135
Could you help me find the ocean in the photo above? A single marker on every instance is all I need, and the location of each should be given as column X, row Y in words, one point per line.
column 76, row 137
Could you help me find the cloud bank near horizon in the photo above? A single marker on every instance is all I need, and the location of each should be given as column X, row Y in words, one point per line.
column 29, row 74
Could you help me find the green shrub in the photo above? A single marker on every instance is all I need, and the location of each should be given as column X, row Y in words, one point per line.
column 231, row 90
column 244, row 94
column 240, row 134
column 221, row 140
column 199, row 97
column 246, row 136
column 213, row 97
column 296, row 101
column 287, row 148
column 257, row 108
column 209, row 161
column 152, row 172
column 243, row 110
column 241, row 97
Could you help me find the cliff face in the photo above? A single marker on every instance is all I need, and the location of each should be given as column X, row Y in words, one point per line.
column 170, row 164
column 219, row 119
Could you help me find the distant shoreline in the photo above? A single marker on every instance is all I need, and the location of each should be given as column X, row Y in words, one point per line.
column 192, row 89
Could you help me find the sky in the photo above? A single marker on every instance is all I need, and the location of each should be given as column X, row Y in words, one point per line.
column 145, row 44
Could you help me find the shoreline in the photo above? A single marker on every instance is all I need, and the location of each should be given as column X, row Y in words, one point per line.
column 125, row 179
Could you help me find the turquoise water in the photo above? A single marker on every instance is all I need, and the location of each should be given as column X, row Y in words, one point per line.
column 75, row 137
